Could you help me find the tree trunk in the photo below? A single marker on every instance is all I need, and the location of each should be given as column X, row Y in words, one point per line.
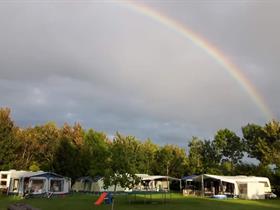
column 115, row 188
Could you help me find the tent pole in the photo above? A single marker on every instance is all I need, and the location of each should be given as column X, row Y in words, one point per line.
column 202, row 186
column 180, row 184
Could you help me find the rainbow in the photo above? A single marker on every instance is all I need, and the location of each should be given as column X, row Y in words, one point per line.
column 211, row 50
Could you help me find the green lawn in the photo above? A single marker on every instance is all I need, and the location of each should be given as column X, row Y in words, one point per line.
column 176, row 202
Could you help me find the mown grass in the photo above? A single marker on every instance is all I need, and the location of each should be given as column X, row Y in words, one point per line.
column 122, row 202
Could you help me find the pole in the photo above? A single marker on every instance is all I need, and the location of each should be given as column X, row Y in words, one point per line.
column 202, row 185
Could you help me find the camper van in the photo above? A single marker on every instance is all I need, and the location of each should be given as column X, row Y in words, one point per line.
column 4, row 180
column 7, row 176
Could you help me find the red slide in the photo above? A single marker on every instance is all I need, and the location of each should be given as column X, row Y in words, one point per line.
column 101, row 198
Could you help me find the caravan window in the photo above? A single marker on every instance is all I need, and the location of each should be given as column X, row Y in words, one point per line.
column 38, row 186
column 15, row 185
column 243, row 188
column 4, row 176
column 57, row 185
column 265, row 184
column 3, row 183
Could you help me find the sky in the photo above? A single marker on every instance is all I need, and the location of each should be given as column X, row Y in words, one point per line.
column 112, row 68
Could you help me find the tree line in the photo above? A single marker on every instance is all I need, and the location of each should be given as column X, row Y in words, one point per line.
column 73, row 151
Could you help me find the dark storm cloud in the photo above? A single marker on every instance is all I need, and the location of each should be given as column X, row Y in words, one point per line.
column 115, row 70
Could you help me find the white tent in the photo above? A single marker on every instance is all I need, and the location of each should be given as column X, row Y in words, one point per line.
column 246, row 187
column 155, row 182
column 88, row 184
column 100, row 187
column 83, row 184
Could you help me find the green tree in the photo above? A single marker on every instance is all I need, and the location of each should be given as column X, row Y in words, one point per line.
column 67, row 159
column 230, row 146
column 148, row 157
column 211, row 158
column 263, row 143
column 8, row 143
column 255, row 144
column 171, row 161
column 272, row 133
column 196, row 156
column 96, row 151
column 28, row 148
column 122, row 168
column 46, row 141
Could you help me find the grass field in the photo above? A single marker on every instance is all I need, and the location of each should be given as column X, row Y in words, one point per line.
column 176, row 202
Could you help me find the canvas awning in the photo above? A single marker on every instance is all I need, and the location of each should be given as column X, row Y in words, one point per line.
column 228, row 179
column 159, row 177
column 189, row 178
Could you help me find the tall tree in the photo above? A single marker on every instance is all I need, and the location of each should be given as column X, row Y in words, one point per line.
column 97, row 154
column 211, row 158
column 230, row 146
column 68, row 156
column 272, row 133
column 171, row 161
column 28, row 148
column 67, row 159
column 8, row 143
column 47, row 138
column 263, row 143
column 148, row 157
column 123, row 162
column 196, row 156
column 255, row 143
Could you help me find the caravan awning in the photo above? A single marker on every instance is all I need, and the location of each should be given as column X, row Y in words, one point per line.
column 189, row 178
column 228, row 179
column 147, row 178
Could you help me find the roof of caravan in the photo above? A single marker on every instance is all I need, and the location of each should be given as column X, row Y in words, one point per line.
column 85, row 178
column 47, row 175
column 142, row 175
column 189, row 178
column 232, row 179
column 15, row 173
column 23, row 174
column 158, row 177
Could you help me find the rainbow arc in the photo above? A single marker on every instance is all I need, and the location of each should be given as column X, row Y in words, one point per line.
column 211, row 50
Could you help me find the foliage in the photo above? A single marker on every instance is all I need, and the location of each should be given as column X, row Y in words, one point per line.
column 263, row 143
column 148, row 153
column 66, row 159
column 255, row 143
column 46, row 137
column 171, row 161
column 96, row 152
column 210, row 158
column 34, row 166
column 196, row 156
column 8, row 143
column 123, row 162
column 229, row 147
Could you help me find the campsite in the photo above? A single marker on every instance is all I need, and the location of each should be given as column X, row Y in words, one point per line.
column 139, row 105
column 45, row 190
column 83, row 169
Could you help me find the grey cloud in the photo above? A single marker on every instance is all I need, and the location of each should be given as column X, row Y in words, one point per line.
column 115, row 70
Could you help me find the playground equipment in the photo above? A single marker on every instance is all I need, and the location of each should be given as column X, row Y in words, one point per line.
column 104, row 197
